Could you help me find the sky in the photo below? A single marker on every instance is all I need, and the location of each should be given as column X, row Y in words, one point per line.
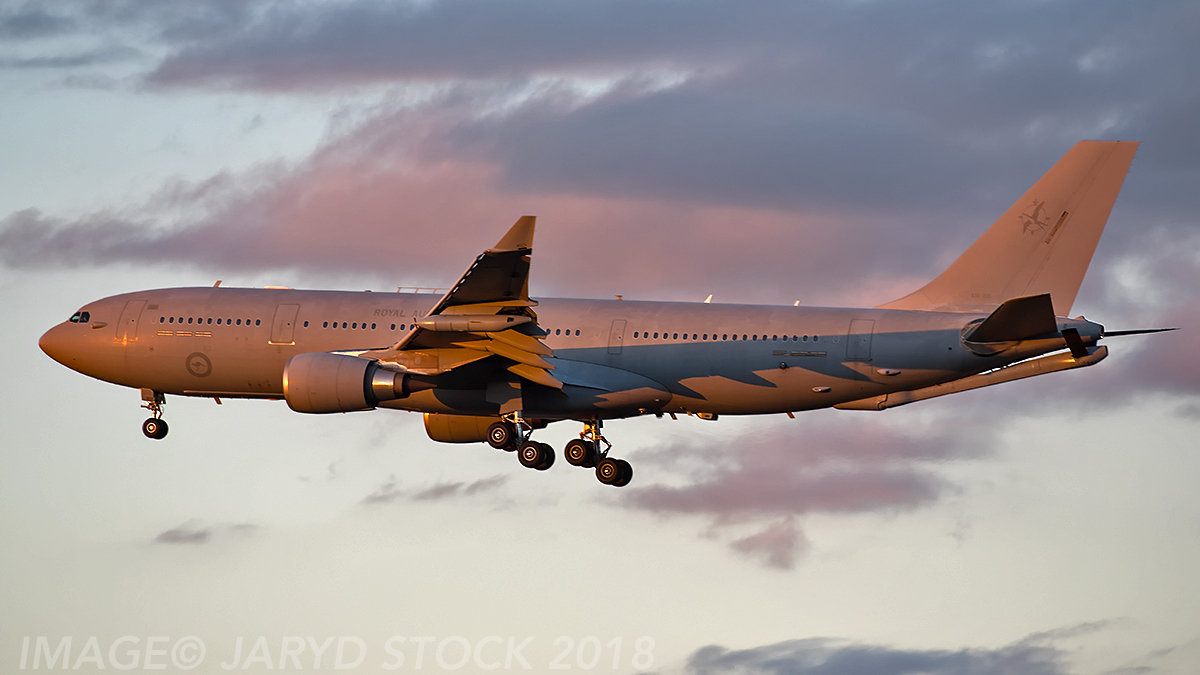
column 838, row 153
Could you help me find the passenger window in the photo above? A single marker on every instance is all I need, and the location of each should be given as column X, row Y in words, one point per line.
column 706, row 336
column 344, row 324
column 393, row 326
column 774, row 338
column 577, row 332
column 189, row 319
column 258, row 322
column 239, row 322
column 372, row 326
column 558, row 331
column 354, row 325
column 725, row 337
column 209, row 321
column 656, row 336
column 306, row 324
column 172, row 320
column 814, row 338
column 162, row 319
column 635, row 333
column 755, row 338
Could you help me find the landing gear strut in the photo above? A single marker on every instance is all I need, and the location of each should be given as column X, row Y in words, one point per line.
column 513, row 432
column 155, row 427
column 586, row 452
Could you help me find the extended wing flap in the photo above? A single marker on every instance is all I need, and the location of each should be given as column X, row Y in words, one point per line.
column 507, row 351
column 535, row 375
column 527, row 343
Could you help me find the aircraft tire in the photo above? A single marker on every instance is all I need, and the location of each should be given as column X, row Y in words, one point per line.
column 608, row 470
column 549, row 460
column 626, row 474
column 154, row 428
column 532, row 454
column 502, row 436
column 579, row 453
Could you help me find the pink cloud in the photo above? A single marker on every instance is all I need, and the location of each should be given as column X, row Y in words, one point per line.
column 853, row 465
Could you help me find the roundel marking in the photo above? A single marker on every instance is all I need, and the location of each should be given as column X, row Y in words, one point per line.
column 198, row 364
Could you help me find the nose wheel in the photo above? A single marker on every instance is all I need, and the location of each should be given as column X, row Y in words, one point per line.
column 155, row 427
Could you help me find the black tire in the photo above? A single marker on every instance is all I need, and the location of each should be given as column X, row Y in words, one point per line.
column 626, row 474
column 549, row 459
column 580, row 453
column 608, row 470
column 154, row 428
column 501, row 436
column 532, row 454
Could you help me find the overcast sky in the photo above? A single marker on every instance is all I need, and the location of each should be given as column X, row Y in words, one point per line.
column 839, row 153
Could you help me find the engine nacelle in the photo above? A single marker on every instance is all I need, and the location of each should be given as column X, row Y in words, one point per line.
column 320, row 382
column 458, row 428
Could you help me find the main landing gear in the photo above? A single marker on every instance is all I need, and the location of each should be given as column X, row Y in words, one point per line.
column 586, row 452
column 155, row 427
column 512, row 433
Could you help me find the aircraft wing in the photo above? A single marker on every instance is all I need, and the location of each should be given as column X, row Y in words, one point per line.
column 486, row 313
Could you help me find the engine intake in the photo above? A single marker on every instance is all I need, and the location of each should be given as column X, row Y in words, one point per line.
column 320, row 382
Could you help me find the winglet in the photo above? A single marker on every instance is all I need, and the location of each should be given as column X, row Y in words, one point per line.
column 519, row 236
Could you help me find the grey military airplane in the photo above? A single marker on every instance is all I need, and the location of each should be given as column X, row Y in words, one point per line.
column 485, row 362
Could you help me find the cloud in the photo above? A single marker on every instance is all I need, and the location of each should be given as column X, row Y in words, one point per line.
column 389, row 492
column 775, row 546
column 31, row 22
column 822, row 656
column 187, row 533
column 724, row 137
column 193, row 532
column 1035, row 654
column 846, row 466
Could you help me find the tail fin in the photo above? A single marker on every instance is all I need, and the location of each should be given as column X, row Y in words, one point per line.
column 1042, row 244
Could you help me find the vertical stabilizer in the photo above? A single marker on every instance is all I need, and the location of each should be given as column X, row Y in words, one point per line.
column 1042, row 244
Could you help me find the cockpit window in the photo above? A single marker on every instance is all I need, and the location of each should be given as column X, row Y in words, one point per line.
column 80, row 317
column 75, row 317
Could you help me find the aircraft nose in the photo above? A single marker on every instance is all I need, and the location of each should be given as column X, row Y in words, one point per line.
column 55, row 342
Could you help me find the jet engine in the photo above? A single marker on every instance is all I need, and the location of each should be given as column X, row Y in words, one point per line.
column 320, row 382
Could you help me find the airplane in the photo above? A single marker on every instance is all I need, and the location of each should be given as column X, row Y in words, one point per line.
column 485, row 362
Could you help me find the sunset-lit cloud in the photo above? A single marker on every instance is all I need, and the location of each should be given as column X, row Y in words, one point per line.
column 854, row 464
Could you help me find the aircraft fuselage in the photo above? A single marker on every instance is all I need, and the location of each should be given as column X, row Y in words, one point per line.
column 702, row 358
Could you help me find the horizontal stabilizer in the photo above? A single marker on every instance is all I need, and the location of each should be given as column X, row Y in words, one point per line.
column 1017, row 319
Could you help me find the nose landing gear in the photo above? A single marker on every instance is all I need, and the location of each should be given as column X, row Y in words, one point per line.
column 155, row 427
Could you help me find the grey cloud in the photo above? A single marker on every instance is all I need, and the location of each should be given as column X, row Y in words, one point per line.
column 822, row 656
column 187, row 533
column 389, row 492
column 31, row 22
column 74, row 59
column 193, row 532
column 384, row 494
